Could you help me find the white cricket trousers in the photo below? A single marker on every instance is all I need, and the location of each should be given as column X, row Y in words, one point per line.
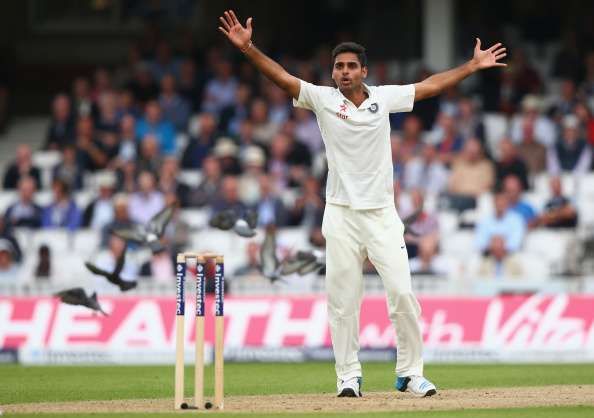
column 351, row 236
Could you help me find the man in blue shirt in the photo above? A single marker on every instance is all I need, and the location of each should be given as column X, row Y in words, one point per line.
column 153, row 124
column 512, row 187
column 505, row 223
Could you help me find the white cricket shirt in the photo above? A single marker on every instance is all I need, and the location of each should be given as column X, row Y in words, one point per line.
column 357, row 140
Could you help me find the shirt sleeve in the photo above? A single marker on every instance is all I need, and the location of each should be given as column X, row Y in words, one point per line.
column 310, row 96
column 399, row 98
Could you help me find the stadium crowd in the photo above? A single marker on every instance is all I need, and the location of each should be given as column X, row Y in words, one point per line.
column 167, row 111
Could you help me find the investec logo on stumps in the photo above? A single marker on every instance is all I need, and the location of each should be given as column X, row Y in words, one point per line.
column 219, row 289
column 180, row 299
column 200, row 284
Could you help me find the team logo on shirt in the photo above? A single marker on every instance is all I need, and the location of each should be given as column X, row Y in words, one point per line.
column 341, row 111
column 373, row 108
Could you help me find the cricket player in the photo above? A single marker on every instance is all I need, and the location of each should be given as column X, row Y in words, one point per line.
column 360, row 218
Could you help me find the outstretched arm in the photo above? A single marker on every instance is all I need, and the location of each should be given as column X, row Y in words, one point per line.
column 241, row 37
column 437, row 83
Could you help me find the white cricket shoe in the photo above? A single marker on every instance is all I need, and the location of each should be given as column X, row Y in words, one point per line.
column 350, row 388
column 417, row 385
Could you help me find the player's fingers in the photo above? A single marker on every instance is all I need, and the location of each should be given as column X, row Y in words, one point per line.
column 248, row 23
column 226, row 33
column 499, row 51
column 478, row 44
column 224, row 23
column 235, row 19
column 494, row 47
column 228, row 18
column 500, row 64
column 500, row 56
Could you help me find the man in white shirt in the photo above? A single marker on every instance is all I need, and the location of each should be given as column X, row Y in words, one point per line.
column 360, row 218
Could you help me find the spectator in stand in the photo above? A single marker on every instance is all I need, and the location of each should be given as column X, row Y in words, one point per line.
column 121, row 218
column 126, row 105
column 100, row 212
column 164, row 62
column 126, row 175
column 9, row 269
column 429, row 261
column 309, row 206
column 505, row 223
column 253, row 162
column 559, row 212
column 154, row 124
column 583, row 113
column 82, row 100
column 189, row 87
column 226, row 151
column 149, row 158
column 469, row 122
column 531, row 122
column 61, row 128
column 220, row 91
column 107, row 259
column 143, row 85
column 68, row 169
column 206, row 192
column 124, row 74
column 299, row 154
column 233, row 115
column 425, row 227
column 168, row 183
column 108, row 121
column 102, row 84
column 411, row 143
column 426, row 172
column 278, row 166
column 307, row 130
column 472, row 174
column 570, row 153
column 532, row 152
column 147, row 201
column 175, row 108
column 127, row 150
column 512, row 187
column 448, row 139
column 24, row 212
column 201, row 144
column 264, row 129
column 270, row 207
column 21, row 167
column 587, row 86
column 62, row 212
column 279, row 110
column 510, row 163
column 228, row 197
column 90, row 152
column 565, row 103
column 498, row 261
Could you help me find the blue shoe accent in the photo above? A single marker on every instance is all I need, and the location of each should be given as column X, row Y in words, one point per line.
column 401, row 383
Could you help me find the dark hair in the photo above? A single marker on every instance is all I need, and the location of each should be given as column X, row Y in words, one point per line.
column 353, row 47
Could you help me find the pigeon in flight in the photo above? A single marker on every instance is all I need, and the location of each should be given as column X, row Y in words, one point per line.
column 114, row 277
column 78, row 296
column 243, row 226
column 149, row 234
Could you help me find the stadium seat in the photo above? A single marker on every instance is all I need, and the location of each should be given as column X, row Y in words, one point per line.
column 191, row 178
column 496, row 127
column 7, row 198
column 550, row 245
column 195, row 218
column 86, row 242
column 46, row 161
column 459, row 244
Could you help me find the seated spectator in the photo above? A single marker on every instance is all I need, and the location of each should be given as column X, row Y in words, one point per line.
column 164, row 62
column 429, row 261
column 99, row 213
column 200, row 144
column 43, row 270
column 412, row 143
column 472, row 174
column 83, row 104
column 307, row 130
column 279, row 110
column 270, row 207
column 24, row 212
column 308, row 209
column 532, row 152
column 159, row 268
column 21, row 167
column 206, row 192
column 251, row 269
column 469, row 122
column 513, row 190
column 126, row 105
column 278, row 165
column 61, row 128
column 168, row 183
column 226, row 152
column 505, row 223
column 448, row 139
column 69, row 170
column 121, row 218
column 264, row 128
column 558, row 212
column 9, row 269
column 570, row 153
column 425, row 227
column 583, row 113
column 147, row 201
column 253, row 161
column 143, row 85
column 101, row 84
column 509, row 163
column 108, row 121
column 498, row 261
column 189, row 87
column 62, row 212
column 175, row 108
column 126, row 175
column 237, row 112
column 426, row 172
column 149, row 156
column 299, row 154
column 564, row 104
column 219, row 92
column 128, row 147
column 154, row 124
column 91, row 154
column 530, row 120
column 228, row 197
column 107, row 259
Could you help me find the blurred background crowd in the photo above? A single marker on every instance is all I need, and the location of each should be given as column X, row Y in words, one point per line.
column 501, row 166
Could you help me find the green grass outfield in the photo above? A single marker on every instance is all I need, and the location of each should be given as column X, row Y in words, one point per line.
column 20, row 384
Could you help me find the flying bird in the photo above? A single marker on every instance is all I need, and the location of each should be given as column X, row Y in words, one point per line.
column 78, row 296
column 114, row 277
column 151, row 233
column 243, row 226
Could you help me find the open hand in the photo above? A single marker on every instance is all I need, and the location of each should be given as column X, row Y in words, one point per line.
column 489, row 57
column 238, row 35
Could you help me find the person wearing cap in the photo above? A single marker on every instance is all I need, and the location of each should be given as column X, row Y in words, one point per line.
column 226, row 152
column 570, row 153
column 541, row 127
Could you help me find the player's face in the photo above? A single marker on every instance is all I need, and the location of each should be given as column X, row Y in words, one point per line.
column 347, row 72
